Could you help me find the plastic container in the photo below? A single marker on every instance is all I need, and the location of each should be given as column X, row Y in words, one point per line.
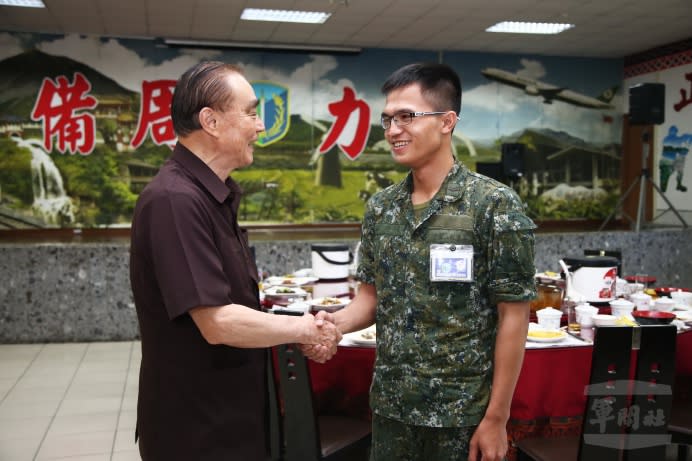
column 331, row 261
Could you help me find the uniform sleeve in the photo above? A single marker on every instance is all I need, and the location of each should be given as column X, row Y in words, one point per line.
column 185, row 258
column 511, row 250
column 366, row 261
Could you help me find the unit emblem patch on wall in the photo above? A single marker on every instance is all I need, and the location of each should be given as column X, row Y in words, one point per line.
column 273, row 109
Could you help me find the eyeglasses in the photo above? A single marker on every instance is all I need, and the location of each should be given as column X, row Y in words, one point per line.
column 404, row 118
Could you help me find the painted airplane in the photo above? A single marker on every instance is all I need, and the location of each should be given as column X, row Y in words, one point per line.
column 550, row 92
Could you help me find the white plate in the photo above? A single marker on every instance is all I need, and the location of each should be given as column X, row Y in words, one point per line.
column 556, row 339
column 319, row 303
column 281, row 291
column 289, row 281
column 362, row 337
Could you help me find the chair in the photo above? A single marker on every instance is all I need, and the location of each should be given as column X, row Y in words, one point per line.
column 680, row 425
column 623, row 420
column 306, row 435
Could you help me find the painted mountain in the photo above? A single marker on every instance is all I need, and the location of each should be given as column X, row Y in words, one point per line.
column 21, row 77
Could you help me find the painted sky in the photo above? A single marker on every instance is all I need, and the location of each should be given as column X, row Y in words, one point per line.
column 489, row 109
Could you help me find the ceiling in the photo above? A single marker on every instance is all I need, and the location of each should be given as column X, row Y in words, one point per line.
column 604, row 28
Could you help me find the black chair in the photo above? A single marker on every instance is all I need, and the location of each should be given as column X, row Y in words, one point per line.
column 306, row 435
column 622, row 420
column 680, row 425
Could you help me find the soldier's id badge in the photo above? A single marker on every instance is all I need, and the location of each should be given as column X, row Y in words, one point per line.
column 451, row 263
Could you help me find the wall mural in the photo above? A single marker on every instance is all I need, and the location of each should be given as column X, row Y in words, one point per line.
column 672, row 138
column 85, row 124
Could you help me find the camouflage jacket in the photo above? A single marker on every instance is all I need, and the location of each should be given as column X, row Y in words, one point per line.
column 435, row 340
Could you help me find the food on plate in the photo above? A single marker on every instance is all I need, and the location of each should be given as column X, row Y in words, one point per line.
column 284, row 290
column 329, row 301
column 546, row 334
column 625, row 321
column 369, row 334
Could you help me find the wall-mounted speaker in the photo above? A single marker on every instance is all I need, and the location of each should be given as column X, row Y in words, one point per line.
column 647, row 104
column 513, row 159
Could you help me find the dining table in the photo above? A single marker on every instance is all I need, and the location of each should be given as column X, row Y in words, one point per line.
column 548, row 400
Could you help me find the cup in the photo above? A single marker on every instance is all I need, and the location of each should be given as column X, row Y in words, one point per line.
column 682, row 297
column 585, row 313
column 621, row 307
column 641, row 301
column 664, row 304
column 549, row 318
column 587, row 333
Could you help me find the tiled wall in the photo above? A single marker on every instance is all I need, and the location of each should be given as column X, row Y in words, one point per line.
column 81, row 292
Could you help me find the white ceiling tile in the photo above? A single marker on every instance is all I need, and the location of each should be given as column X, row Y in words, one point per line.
column 604, row 27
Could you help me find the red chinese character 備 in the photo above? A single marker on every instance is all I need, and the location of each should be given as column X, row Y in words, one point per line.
column 57, row 104
column 155, row 113
column 343, row 110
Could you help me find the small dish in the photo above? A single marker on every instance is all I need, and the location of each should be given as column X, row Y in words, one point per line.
column 289, row 281
column 364, row 337
column 653, row 317
column 327, row 303
column 285, row 291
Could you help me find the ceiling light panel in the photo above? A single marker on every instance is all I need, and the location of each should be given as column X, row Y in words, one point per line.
column 517, row 27
column 305, row 17
column 25, row 3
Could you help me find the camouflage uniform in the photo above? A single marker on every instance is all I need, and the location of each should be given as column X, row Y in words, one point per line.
column 435, row 340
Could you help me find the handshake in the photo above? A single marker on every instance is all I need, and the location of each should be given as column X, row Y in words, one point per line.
column 321, row 337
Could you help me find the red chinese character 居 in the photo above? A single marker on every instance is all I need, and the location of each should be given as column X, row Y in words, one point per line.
column 155, row 113
column 57, row 104
column 342, row 110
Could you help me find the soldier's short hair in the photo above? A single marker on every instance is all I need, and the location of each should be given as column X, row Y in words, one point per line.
column 440, row 84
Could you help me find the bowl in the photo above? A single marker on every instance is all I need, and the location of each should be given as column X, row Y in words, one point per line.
column 653, row 317
column 604, row 320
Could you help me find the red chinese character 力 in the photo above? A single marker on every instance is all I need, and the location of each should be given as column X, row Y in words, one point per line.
column 155, row 113
column 343, row 110
column 57, row 104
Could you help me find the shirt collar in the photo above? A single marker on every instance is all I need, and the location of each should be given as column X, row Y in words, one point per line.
column 450, row 190
column 220, row 190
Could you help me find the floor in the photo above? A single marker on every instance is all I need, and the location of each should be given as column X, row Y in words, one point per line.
column 68, row 401
column 71, row 402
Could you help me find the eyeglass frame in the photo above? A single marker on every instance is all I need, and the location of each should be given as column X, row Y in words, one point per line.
column 387, row 120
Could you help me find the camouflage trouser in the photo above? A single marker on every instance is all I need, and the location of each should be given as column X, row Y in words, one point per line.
column 396, row 441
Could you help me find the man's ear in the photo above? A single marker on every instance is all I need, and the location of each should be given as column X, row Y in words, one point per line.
column 449, row 122
column 208, row 120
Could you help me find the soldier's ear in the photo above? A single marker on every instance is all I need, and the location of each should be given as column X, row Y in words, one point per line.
column 449, row 121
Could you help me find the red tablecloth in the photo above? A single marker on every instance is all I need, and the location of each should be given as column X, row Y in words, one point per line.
column 548, row 400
